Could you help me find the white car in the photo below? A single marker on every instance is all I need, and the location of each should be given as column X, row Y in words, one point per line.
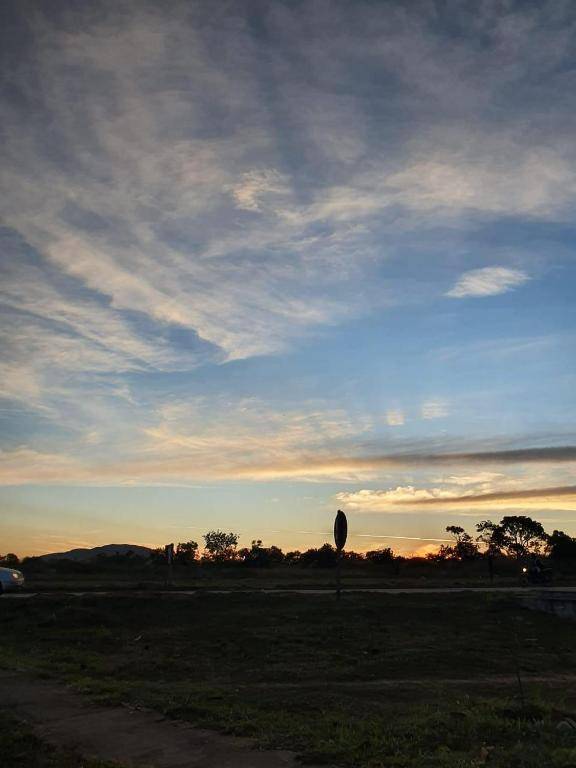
column 10, row 579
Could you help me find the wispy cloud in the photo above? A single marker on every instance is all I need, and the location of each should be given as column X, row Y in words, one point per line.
column 434, row 409
column 489, row 281
column 382, row 500
column 242, row 217
column 395, row 417
column 397, row 500
column 556, row 495
column 331, row 465
column 166, row 208
column 293, row 448
column 499, row 348
column 256, row 187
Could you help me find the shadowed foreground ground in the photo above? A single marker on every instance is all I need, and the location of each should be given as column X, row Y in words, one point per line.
column 132, row 737
column 378, row 680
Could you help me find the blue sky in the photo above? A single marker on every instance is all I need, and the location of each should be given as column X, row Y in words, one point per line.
column 264, row 260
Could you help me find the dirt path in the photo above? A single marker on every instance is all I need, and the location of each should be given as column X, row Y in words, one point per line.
column 487, row 681
column 136, row 738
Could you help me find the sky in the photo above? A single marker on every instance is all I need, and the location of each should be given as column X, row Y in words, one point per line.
column 264, row 260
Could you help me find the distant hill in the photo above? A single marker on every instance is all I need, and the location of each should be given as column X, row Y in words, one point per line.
column 107, row 550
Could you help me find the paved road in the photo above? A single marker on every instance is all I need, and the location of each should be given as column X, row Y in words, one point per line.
column 310, row 592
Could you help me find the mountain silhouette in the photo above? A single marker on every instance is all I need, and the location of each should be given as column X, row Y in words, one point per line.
column 107, row 550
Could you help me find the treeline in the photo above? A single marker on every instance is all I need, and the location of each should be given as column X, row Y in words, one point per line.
column 222, row 548
column 513, row 538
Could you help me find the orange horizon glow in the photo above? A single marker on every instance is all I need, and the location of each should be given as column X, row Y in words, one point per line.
column 399, row 544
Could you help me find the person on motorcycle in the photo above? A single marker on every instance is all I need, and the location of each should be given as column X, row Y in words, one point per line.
column 536, row 567
column 536, row 573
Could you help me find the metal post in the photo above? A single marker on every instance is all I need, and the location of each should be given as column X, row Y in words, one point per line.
column 338, row 573
column 340, row 534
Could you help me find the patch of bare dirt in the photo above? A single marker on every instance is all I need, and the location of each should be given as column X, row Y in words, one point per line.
column 136, row 738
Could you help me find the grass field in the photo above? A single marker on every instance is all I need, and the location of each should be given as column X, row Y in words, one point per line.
column 149, row 576
column 73, row 576
column 377, row 680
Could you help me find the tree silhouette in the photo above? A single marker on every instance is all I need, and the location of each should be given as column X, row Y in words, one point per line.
column 186, row 552
column 464, row 547
column 221, row 546
column 561, row 546
column 323, row 557
column 515, row 536
column 260, row 556
column 491, row 536
column 383, row 556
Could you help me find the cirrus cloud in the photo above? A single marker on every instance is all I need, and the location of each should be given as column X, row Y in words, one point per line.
column 488, row 281
column 182, row 192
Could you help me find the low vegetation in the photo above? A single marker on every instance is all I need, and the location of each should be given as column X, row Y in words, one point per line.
column 371, row 681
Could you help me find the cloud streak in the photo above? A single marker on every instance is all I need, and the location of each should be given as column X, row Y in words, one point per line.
column 333, row 465
column 488, row 281
column 408, row 498
column 180, row 459
column 567, row 492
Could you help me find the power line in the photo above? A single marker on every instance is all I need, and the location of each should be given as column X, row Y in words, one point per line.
column 329, row 533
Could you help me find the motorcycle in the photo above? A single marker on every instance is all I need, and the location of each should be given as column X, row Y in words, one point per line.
column 534, row 577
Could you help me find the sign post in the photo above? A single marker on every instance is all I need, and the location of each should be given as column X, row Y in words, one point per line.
column 169, row 552
column 340, row 534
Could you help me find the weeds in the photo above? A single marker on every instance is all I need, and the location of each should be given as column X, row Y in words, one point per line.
column 297, row 673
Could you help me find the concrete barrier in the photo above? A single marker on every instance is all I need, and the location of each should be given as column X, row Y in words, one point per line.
column 559, row 603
